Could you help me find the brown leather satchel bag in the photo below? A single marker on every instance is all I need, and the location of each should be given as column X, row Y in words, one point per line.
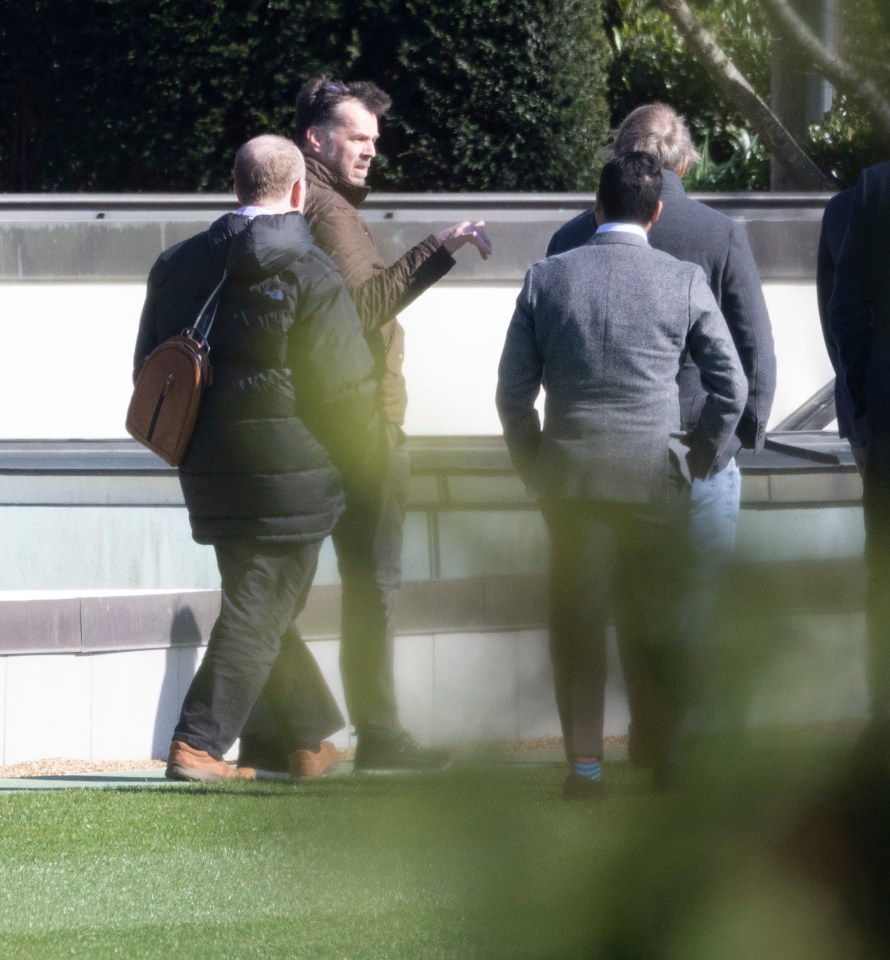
column 168, row 390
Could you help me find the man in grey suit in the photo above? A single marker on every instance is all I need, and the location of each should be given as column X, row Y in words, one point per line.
column 605, row 329
column 689, row 230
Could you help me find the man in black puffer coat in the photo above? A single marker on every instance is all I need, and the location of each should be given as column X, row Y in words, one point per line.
column 292, row 403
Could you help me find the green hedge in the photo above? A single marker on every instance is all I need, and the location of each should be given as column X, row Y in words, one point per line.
column 156, row 95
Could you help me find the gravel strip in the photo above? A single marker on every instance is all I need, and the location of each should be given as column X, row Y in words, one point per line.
column 57, row 767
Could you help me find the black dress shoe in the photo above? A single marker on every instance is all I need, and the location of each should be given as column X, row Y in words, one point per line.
column 263, row 754
column 403, row 754
column 582, row 788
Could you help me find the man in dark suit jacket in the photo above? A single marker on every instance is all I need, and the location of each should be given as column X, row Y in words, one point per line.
column 691, row 231
column 859, row 323
column 834, row 227
column 605, row 329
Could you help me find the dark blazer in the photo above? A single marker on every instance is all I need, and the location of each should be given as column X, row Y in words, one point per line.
column 834, row 226
column 859, row 313
column 689, row 230
column 605, row 328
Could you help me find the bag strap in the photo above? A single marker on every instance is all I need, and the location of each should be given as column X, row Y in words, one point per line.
column 200, row 331
column 204, row 321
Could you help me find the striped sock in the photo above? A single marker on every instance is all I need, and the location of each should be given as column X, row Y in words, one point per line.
column 588, row 767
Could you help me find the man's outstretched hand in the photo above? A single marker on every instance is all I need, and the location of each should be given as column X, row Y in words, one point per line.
column 453, row 238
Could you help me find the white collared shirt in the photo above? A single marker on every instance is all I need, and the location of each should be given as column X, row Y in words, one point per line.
column 616, row 226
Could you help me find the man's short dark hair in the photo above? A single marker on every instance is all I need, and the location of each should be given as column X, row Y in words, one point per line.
column 630, row 188
column 319, row 98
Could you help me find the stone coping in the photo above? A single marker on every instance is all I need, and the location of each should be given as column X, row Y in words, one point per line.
column 107, row 238
column 94, row 622
column 115, row 621
column 802, row 468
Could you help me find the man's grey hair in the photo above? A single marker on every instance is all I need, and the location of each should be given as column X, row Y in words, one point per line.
column 658, row 129
column 266, row 168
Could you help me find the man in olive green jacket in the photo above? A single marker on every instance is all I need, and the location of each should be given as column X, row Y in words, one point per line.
column 337, row 125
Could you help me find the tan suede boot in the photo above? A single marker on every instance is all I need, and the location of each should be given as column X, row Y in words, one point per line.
column 313, row 763
column 187, row 763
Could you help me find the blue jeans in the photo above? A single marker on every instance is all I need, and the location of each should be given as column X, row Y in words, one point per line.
column 713, row 518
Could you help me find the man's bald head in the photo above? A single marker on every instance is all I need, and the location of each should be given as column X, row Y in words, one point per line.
column 266, row 168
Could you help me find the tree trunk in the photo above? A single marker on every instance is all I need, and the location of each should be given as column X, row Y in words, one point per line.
column 776, row 138
column 836, row 70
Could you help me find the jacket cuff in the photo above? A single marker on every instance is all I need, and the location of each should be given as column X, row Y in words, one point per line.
column 440, row 259
column 751, row 433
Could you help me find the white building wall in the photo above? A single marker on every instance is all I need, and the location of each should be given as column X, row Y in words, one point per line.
column 65, row 369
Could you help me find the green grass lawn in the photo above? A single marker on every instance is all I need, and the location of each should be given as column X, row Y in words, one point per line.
column 483, row 862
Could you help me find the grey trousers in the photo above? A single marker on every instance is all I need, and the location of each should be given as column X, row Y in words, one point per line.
column 612, row 561
column 264, row 587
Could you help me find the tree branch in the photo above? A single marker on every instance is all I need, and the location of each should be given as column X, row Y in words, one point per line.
column 775, row 137
column 842, row 74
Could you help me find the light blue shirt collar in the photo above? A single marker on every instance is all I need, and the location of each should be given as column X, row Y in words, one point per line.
column 251, row 212
column 616, row 227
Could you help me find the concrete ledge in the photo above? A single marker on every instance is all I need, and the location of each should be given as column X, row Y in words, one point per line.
column 41, row 626
column 161, row 620
column 100, row 237
column 164, row 620
column 806, row 468
column 93, row 624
